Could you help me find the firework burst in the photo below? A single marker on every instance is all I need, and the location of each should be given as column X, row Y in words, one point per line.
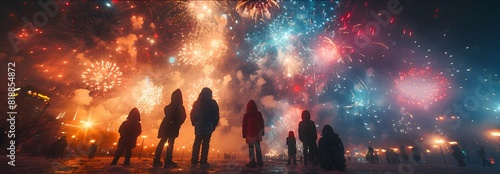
column 421, row 87
column 256, row 9
column 151, row 96
column 102, row 76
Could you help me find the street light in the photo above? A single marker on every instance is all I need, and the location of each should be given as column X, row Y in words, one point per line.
column 142, row 146
column 441, row 148
column 182, row 157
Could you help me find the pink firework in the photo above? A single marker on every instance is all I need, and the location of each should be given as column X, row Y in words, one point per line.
column 421, row 87
column 327, row 51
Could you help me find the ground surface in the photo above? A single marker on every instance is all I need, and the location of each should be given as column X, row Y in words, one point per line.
column 32, row 164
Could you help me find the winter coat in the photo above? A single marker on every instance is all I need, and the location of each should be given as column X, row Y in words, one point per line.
column 307, row 128
column 175, row 115
column 292, row 145
column 253, row 124
column 205, row 113
column 331, row 149
column 130, row 130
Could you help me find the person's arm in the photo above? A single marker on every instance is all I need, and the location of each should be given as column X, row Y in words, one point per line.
column 261, row 123
column 244, row 126
column 139, row 131
column 315, row 135
column 193, row 114
column 301, row 136
column 182, row 115
column 216, row 114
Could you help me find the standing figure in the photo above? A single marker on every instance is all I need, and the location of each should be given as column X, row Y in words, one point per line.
column 57, row 148
column 484, row 157
column 253, row 130
column 370, row 156
column 292, row 148
column 204, row 117
column 92, row 150
column 458, row 155
column 308, row 136
column 175, row 115
column 416, row 154
column 129, row 131
column 331, row 150
column 404, row 156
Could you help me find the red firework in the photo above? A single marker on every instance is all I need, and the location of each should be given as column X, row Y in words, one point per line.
column 421, row 87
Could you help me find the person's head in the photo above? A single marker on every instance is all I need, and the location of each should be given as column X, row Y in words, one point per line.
column 206, row 93
column 291, row 135
column 306, row 115
column 134, row 115
column 327, row 131
column 176, row 98
column 251, row 106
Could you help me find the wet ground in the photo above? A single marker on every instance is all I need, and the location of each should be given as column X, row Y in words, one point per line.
column 33, row 164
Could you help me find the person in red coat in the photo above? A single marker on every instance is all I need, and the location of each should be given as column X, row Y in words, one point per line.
column 253, row 130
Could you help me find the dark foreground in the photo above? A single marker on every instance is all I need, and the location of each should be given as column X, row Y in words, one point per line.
column 31, row 164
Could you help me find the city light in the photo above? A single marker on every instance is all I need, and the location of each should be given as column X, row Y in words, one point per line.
column 439, row 141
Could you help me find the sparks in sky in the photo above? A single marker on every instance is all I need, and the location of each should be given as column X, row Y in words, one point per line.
column 256, row 9
column 102, row 76
column 421, row 87
column 151, row 96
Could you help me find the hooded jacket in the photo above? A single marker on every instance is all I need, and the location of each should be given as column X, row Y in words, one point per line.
column 331, row 149
column 253, row 124
column 307, row 128
column 205, row 113
column 175, row 115
column 130, row 130
column 291, row 143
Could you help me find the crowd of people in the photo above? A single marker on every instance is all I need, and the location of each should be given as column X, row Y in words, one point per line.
column 329, row 153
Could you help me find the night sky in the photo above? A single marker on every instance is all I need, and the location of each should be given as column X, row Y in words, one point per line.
column 302, row 56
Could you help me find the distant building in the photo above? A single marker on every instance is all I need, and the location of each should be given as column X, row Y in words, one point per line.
column 31, row 100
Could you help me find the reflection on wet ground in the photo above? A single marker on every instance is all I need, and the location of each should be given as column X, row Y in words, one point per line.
column 30, row 164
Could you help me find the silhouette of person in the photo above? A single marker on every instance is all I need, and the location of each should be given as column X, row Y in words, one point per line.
column 292, row 148
column 129, row 130
column 403, row 154
column 458, row 155
column 416, row 154
column 175, row 115
column 331, row 150
column 484, row 157
column 253, row 130
column 308, row 136
column 204, row 117
column 57, row 148
column 92, row 150
column 370, row 156
column 388, row 156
